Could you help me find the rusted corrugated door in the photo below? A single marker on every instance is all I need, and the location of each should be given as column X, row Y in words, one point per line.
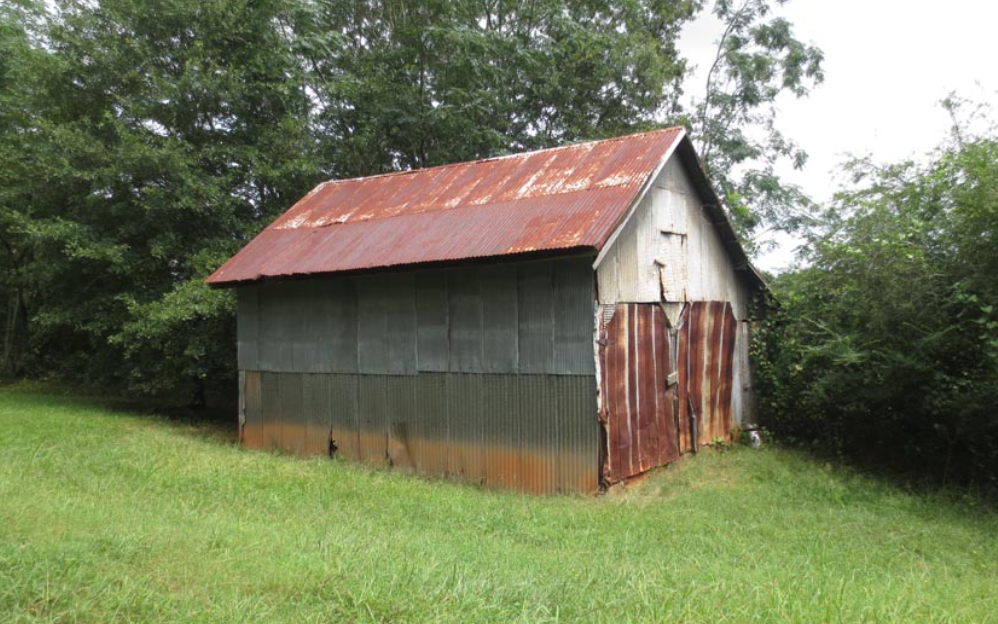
column 637, row 403
column 706, row 365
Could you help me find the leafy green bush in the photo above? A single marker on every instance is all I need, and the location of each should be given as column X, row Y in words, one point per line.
column 885, row 346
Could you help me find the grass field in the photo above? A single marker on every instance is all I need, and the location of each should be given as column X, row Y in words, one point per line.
column 111, row 517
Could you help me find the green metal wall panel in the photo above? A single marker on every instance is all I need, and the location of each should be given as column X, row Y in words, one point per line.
column 247, row 321
column 400, row 289
column 575, row 314
column 536, row 318
column 372, row 325
column 341, row 346
column 433, row 350
column 295, row 318
column 464, row 401
column 269, row 329
column 528, row 317
column 465, row 315
column 500, row 341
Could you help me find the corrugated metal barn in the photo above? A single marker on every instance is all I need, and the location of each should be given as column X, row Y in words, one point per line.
column 550, row 321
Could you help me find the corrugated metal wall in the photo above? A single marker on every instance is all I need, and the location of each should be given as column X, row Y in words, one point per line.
column 706, row 366
column 671, row 251
column 483, row 372
column 530, row 317
column 637, row 405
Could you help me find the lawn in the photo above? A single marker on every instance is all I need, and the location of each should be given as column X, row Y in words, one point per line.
column 107, row 517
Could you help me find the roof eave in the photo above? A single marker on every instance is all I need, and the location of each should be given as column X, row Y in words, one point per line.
column 522, row 256
column 638, row 198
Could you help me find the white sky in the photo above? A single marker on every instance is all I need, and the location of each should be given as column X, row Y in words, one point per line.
column 887, row 65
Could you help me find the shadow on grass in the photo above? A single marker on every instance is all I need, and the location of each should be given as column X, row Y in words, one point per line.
column 967, row 496
column 218, row 420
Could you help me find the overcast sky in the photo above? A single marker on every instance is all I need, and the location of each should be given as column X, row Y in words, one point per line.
column 888, row 63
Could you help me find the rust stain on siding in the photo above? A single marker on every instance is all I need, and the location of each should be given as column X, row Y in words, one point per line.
column 535, row 433
column 637, row 406
column 706, row 372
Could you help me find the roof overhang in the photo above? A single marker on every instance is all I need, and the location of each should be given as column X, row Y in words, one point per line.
column 711, row 204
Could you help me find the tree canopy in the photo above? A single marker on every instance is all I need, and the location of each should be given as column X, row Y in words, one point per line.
column 144, row 142
column 885, row 346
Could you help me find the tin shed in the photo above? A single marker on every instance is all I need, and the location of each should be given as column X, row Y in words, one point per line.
column 548, row 321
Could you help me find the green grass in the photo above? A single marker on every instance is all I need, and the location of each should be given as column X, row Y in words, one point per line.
column 108, row 517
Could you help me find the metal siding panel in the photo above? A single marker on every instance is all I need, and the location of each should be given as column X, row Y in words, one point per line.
column 498, row 286
column 575, row 301
column 269, row 328
column 649, row 290
column 525, row 409
column 465, row 321
column 278, row 327
column 707, row 349
column 536, row 433
column 672, row 270
column 297, row 342
column 535, row 301
column 372, row 412
column 252, row 436
column 628, row 272
column 318, row 412
column 293, row 424
column 431, row 409
column 400, row 290
column 547, row 443
column 433, row 346
column 578, row 429
column 695, row 364
column 685, row 418
column 270, row 420
column 372, row 326
column 340, row 311
column 496, row 442
column 726, row 369
column 308, row 337
column 464, row 407
column 712, row 361
column 343, row 415
column 402, row 421
column 319, row 325
column 637, row 406
column 247, row 327
column 241, row 413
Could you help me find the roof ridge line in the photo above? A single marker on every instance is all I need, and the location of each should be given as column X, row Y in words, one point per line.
column 494, row 158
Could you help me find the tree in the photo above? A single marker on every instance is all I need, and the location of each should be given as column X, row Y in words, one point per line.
column 161, row 136
column 758, row 59
column 149, row 140
column 21, row 65
column 401, row 84
column 145, row 141
column 885, row 346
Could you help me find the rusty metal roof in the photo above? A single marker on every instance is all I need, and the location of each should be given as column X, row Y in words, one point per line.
column 565, row 198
